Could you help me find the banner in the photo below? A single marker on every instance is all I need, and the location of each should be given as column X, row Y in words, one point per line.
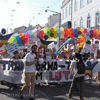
column 53, row 71
column 12, row 47
column 31, row 41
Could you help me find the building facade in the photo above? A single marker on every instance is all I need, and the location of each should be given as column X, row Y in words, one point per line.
column 81, row 13
column 54, row 20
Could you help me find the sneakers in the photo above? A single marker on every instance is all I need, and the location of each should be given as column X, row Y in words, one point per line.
column 31, row 99
column 21, row 96
column 69, row 96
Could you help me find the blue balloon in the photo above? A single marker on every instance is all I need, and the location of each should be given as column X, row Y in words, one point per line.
column 88, row 34
column 99, row 35
column 55, row 42
column 31, row 34
column 58, row 30
column 17, row 38
column 76, row 30
column 58, row 35
column 89, row 29
column 45, row 37
column 56, row 53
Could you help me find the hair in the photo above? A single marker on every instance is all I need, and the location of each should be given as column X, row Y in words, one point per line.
column 15, row 52
column 78, row 56
column 34, row 45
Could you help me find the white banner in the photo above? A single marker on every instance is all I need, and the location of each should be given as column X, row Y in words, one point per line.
column 12, row 47
column 53, row 71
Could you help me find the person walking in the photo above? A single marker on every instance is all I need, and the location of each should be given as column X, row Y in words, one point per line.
column 79, row 67
column 30, row 71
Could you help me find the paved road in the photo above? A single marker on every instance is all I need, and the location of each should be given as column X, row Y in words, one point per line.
column 52, row 92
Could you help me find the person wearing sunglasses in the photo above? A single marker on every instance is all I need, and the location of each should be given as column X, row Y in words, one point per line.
column 29, row 72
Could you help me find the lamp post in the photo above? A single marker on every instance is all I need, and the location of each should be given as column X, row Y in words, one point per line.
column 54, row 12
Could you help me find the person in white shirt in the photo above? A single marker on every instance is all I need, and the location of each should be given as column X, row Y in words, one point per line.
column 30, row 71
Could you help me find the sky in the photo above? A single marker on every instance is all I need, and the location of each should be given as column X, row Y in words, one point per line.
column 16, row 13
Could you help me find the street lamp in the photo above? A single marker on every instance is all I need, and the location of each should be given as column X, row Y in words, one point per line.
column 54, row 12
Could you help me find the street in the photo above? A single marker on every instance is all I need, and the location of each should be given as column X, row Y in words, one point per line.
column 53, row 91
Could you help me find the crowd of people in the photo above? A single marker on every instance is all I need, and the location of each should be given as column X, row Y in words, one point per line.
column 31, row 60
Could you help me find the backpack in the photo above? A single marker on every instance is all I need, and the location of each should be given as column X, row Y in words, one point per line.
column 80, row 67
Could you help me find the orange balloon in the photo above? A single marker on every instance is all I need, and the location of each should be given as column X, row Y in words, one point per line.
column 97, row 31
column 96, row 37
column 20, row 35
column 78, row 28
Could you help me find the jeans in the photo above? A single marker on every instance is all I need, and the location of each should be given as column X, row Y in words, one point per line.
column 76, row 80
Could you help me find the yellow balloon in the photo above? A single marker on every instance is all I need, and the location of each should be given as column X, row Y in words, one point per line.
column 82, row 29
column 78, row 28
column 35, row 34
column 10, row 40
column 62, row 29
column 55, row 29
column 45, row 31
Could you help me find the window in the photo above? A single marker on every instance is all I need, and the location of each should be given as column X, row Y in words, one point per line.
column 81, row 3
column 75, row 25
column 97, row 20
column 89, row 1
column 67, row 11
column 81, row 23
column 76, row 5
column 70, row 9
column 88, row 21
column 63, row 14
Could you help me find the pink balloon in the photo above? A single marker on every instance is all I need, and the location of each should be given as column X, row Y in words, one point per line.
column 94, row 29
column 94, row 34
column 27, row 35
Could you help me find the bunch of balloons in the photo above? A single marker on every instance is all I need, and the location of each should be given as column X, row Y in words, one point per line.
column 46, row 33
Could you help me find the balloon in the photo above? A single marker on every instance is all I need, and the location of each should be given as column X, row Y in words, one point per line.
column 48, row 29
column 96, row 37
column 31, row 34
column 35, row 34
column 94, row 29
column 71, row 36
column 58, row 35
column 82, row 29
column 28, row 35
column 24, row 36
column 10, row 40
column 38, row 35
column 55, row 29
column 38, row 31
column 45, row 37
column 48, row 34
column 71, row 30
column 91, row 31
column 85, row 31
column 26, row 40
column 42, row 37
column 51, row 34
column 79, row 32
column 73, row 33
column 75, row 30
column 88, row 33
column 20, row 35
column 86, row 37
column 91, row 36
column 44, row 29
column 3, row 31
column 42, row 32
column 65, row 30
column 78, row 28
column 58, row 30
column 17, row 38
column 62, row 29
column 94, row 34
column 65, row 35
column 97, row 31
column 66, row 49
